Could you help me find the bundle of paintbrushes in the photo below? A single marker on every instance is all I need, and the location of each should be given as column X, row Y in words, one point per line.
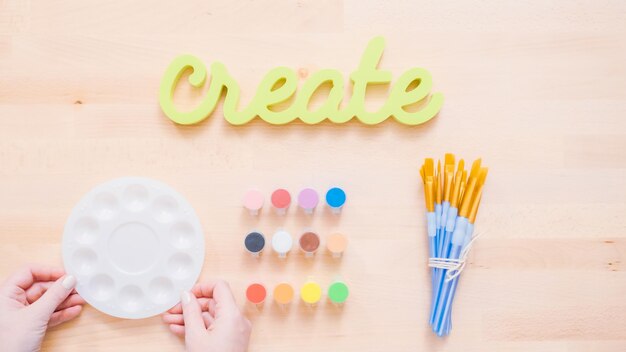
column 452, row 200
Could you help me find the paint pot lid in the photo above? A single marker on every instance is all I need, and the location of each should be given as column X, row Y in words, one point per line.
column 254, row 242
column 283, row 293
column 253, row 200
column 337, row 243
column 338, row 292
column 308, row 198
column 309, row 241
column 335, row 197
column 311, row 292
column 256, row 293
column 281, row 198
column 282, row 241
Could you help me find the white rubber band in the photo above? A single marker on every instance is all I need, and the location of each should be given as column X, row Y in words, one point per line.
column 454, row 266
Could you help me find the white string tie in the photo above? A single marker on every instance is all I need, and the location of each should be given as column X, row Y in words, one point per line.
column 454, row 266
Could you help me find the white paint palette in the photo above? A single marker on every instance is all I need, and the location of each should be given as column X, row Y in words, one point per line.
column 134, row 244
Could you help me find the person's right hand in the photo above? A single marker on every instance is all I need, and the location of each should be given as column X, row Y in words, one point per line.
column 210, row 322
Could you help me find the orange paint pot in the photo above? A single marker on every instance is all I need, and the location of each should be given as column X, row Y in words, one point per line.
column 283, row 294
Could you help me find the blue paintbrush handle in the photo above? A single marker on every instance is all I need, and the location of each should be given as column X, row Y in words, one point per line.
column 439, row 282
column 446, row 299
column 444, row 289
column 469, row 232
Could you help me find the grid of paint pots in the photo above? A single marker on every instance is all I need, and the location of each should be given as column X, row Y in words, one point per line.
column 310, row 293
column 282, row 243
column 308, row 199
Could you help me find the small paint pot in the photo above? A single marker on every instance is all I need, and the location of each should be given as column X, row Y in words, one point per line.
column 338, row 293
column 256, row 293
column 335, row 198
column 309, row 243
column 281, row 200
column 253, row 201
column 282, row 243
column 308, row 199
column 283, row 294
column 311, row 293
column 254, row 243
column 336, row 244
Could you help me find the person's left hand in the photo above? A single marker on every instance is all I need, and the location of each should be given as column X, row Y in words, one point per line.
column 31, row 300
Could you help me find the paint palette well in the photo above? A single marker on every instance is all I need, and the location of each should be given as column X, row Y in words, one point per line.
column 134, row 244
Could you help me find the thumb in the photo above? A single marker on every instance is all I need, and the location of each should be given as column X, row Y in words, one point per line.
column 55, row 295
column 192, row 313
column 224, row 301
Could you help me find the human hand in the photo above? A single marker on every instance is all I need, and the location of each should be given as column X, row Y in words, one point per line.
column 31, row 300
column 210, row 322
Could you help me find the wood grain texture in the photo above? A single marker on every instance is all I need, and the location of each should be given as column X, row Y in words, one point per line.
column 537, row 89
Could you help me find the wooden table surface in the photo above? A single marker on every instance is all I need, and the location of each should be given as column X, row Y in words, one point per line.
column 537, row 89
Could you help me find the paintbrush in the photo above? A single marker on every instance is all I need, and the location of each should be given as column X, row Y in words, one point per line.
column 452, row 200
column 477, row 179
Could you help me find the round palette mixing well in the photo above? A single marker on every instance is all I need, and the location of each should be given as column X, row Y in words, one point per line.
column 133, row 247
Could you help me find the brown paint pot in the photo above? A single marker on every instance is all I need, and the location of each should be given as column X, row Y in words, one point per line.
column 309, row 243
